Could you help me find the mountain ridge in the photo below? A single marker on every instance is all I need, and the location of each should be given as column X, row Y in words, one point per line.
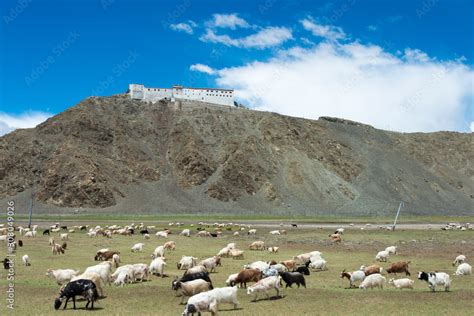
column 114, row 154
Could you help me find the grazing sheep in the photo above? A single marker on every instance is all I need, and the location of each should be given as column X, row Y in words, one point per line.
column 231, row 279
column 275, row 232
column 62, row 275
column 464, row 269
column 264, row 285
column 162, row 234
column 64, row 237
column 402, row 283
column 392, row 250
column 259, row 265
column 186, row 233
column 318, row 264
column 279, row 267
column 186, row 262
column 273, row 249
column 140, row 272
column 236, row 254
column 459, row 259
column 189, row 277
column 373, row 280
column 209, row 301
column 247, row 275
column 353, row 276
column 116, row 260
column 252, row 232
column 339, row 231
column 169, row 245
column 434, row 279
column 56, row 249
column 257, row 245
column 83, row 287
column 191, row 288
column 157, row 266
column 137, row 247
column 102, row 269
column 94, row 277
column 158, row 252
column 306, row 257
column 26, row 260
column 399, row 267
column 196, row 269
column 382, row 256
column 211, row 263
column 224, row 252
column 30, row 234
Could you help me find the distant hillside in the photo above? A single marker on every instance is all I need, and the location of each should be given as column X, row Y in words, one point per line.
column 122, row 156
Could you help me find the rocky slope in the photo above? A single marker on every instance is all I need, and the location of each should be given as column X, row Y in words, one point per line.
column 118, row 155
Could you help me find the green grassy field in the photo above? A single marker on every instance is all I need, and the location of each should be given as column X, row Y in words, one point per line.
column 326, row 292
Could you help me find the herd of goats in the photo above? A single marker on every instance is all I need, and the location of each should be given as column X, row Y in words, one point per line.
column 196, row 284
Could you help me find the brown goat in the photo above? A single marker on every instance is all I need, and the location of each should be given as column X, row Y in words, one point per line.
column 335, row 237
column 399, row 267
column 372, row 269
column 248, row 275
column 105, row 256
column 290, row 264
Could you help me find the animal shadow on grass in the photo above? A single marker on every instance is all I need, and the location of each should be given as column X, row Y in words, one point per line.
column 83, row 308
column 271, row 298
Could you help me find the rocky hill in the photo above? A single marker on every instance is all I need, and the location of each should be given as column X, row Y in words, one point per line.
column 122, row 156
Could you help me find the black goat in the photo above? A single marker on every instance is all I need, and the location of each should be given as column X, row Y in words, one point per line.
column 191, row 277
column 46, row 232
column 81, row 287
column 294, row 225
column 20, row 243
column 64, row 227
column 303, row 270
column 6, row 263
column 293, row 277
column 214, row 234
column 144, row 231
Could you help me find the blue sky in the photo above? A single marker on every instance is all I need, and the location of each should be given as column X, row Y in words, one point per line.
column 337, row 55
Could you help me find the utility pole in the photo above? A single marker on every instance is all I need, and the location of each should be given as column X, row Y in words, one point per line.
column 398, row 213
column 31, row 207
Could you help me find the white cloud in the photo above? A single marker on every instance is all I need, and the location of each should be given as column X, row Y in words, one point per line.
column 231, row 21
column 416, row 55
column 372, row 28
column 183, row 27
column 10, row 122
column 411, row 92
column 202, row 68
column 212, row 37
column 329, row 32
column 267, row 37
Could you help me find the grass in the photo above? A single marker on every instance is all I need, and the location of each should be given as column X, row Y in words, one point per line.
column 326, row 293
